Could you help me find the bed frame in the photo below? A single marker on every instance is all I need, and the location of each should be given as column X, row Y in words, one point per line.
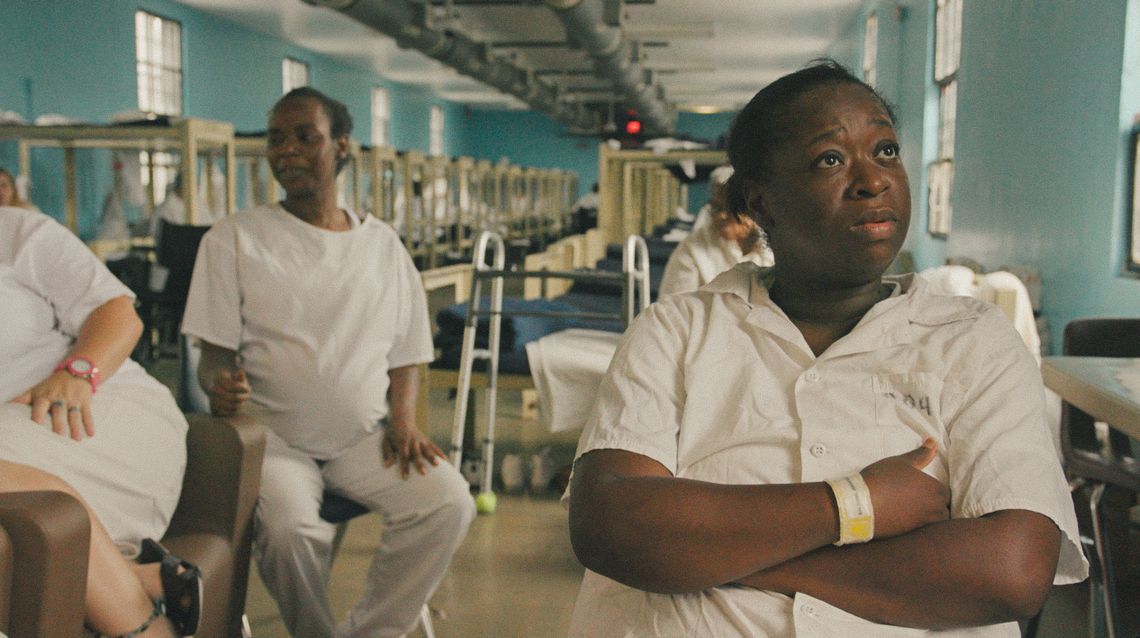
column 190, row 138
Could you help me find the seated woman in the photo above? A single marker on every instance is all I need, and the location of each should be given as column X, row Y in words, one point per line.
column 814, row 449
column 10, row 195
column 722, row 237
column 69, row 326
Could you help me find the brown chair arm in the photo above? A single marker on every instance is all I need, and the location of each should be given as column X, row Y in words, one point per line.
column 213, row 523
column 6, row 569
column 50, row 535
column 223, row 475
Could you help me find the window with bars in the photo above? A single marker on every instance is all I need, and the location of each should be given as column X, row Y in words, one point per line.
column 947, row 55
column 158, row 61
column 1134, row 225
column 158, row 64
column 294, row 74
column 435, row 144
column 870, row 48
column 380, row 117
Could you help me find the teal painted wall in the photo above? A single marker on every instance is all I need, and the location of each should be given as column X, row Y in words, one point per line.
column 77, row 59
column 1045, row 104
column 706, row 128
column 529, row 138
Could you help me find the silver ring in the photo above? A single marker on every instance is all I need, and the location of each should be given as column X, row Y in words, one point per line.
column 74, row 408
column 57, row 404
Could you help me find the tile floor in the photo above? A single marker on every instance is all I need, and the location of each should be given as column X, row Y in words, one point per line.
column 514, row 576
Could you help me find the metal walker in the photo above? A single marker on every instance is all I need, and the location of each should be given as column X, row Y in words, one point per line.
column 635, row 297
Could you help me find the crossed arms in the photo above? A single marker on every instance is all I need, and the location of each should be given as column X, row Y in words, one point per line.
column 922, row 570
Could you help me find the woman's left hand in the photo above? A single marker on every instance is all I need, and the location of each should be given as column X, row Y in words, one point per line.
column 408, row 446
column 66, row 400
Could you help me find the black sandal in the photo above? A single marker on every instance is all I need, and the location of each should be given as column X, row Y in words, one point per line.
column 181, row 586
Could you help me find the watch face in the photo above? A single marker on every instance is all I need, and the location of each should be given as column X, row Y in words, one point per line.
column 80, row 366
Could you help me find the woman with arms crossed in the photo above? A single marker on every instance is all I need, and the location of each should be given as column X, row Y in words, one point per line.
column 814, row 449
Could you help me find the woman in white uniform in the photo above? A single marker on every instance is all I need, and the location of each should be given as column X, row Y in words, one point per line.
column 10, row 195
column 814, row 449
column 722, row 237
column 312, row 315
column 69, row 327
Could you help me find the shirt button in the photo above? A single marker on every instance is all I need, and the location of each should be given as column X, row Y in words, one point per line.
column 818, row 450
column 811, row 376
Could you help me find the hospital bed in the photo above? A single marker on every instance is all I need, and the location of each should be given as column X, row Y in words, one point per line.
column 638, row 188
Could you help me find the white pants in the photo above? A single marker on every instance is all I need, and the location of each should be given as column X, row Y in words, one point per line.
column 425, row 519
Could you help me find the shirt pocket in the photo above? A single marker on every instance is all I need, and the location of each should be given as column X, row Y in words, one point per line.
column 907, row 409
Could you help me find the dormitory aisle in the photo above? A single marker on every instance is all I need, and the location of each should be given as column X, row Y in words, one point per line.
column 515, row 576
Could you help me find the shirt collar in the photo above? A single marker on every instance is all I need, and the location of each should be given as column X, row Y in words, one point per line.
column 886, row 324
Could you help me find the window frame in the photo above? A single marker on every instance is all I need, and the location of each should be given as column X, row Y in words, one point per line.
column 1132, row 257
column 288, row 66
column 381, row 122
column 871, row 48
column 947, row 64
column 436, row 127
column 158, row 71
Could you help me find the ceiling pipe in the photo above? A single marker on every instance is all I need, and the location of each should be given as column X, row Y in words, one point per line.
column 406, row 23
column 586, row 24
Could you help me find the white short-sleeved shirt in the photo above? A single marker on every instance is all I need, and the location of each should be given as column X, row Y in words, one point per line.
column 49, row 282
column 317, row 318
column 917, row 365
column 703, row 255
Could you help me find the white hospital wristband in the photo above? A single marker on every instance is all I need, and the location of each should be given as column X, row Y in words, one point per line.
column 856, row 514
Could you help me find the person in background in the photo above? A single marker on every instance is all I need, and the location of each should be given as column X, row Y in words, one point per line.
column 584, row 211
column 10, row 194
column 815, row 449
column 315, row 317
column 722, row 237
column 78, row 416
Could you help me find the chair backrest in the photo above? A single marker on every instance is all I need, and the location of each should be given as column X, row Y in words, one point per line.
column 176, row 250
column 1097, row 337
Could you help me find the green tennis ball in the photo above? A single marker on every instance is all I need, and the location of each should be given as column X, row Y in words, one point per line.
column 485, row 502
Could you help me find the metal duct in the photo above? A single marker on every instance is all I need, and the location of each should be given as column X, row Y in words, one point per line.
column 586, row 25
column 405, row 23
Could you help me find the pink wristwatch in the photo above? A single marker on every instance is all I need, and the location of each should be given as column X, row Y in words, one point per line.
column 82, row 368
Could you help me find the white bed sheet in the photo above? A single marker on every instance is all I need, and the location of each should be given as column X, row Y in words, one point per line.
column 567, row 367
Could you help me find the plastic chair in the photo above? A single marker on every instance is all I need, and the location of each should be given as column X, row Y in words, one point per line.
column 164, row 299
column 1108, row 475
column 339, row 510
